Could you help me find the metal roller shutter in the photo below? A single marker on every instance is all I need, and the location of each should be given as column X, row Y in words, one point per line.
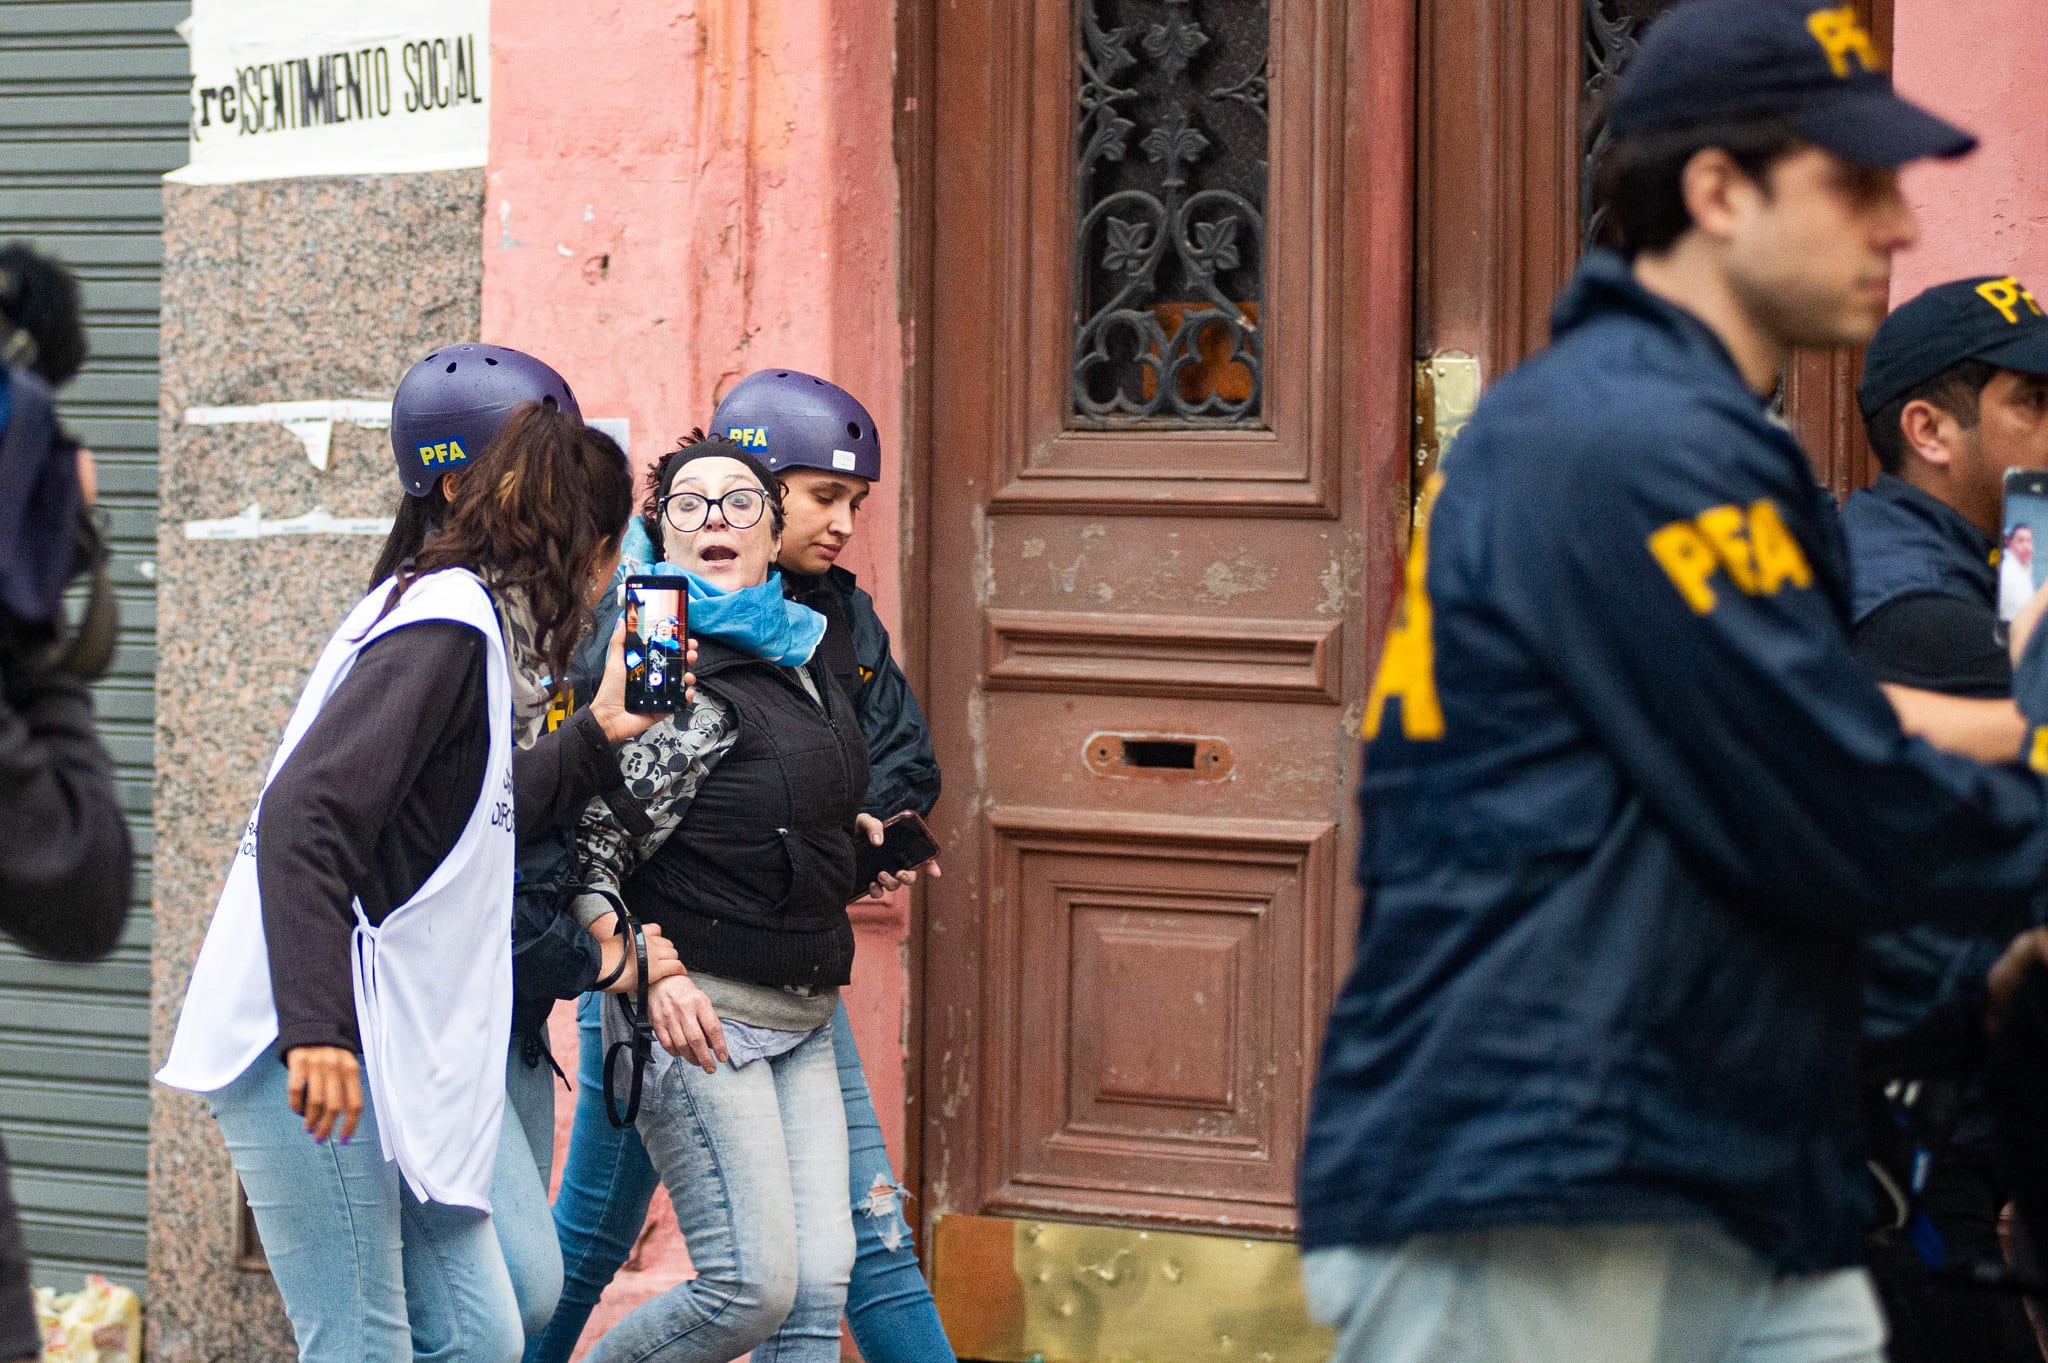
column 93, row 109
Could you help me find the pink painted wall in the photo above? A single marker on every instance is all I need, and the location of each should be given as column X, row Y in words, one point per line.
column 681, row 193
column 1978, row 63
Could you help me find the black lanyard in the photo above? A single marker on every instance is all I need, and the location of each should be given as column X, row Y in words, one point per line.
column 634, row 1011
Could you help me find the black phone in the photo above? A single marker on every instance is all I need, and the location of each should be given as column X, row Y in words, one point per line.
column 2022, row 542
column 906, row 842
column 657, row 614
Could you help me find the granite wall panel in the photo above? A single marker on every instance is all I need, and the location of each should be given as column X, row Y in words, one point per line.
column 272, row 292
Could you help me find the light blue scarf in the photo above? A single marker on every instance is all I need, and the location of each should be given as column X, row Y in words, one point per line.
column 757, row 620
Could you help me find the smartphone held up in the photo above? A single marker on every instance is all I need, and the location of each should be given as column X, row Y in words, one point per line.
column 657, row 613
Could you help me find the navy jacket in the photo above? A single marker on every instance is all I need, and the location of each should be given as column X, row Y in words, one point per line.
column 1905, row 542
column 1923, row 985
column 1629, row 800
column 904, row 772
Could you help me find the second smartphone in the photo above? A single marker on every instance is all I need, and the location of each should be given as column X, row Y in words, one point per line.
column 657, row 611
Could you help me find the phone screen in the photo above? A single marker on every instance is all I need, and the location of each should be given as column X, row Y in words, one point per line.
column 2022, row 542
column 657, row 621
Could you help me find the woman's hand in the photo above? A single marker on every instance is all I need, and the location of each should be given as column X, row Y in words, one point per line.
column 326, row 1089
column 662, row 961
column 686, row 1023
column 870, row 827
column 608, row 706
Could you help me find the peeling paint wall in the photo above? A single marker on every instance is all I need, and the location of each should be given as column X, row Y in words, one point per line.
column 680, row 194
column 1988, row 213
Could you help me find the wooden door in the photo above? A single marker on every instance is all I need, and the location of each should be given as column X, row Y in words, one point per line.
column 1165, row 394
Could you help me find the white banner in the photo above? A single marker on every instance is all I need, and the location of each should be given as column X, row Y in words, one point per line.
column 284, row 88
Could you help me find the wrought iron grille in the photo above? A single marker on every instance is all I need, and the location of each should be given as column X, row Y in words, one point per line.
column 1611, row 31
column 1170, row 239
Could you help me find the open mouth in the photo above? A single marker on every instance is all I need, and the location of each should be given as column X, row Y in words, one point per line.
column 718, row 553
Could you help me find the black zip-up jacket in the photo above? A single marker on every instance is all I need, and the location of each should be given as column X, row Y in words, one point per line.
column 1629, row 803
column 753, row 882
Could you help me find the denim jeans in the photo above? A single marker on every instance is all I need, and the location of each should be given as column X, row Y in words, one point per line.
column 607, row 1183
column 519, row 1202
column 360, row 1262
column 1590, row 1294
column 754, row 1159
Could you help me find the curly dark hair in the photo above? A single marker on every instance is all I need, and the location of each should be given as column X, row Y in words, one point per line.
column 697, row 445
column 535, row 514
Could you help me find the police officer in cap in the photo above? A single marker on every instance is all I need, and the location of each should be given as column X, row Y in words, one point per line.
column 1954, row 392
column 1630, row 800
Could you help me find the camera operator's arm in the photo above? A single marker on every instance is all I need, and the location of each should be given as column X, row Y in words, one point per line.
column 64, row 853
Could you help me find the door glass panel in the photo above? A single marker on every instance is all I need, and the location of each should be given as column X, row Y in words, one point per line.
column 1170, row 237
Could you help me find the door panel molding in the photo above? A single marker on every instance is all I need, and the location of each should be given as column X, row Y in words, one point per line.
column 1199, row 657
column 1161, row 1015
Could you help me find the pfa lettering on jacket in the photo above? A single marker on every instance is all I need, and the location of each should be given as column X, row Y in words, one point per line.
column 1747, row 548
column 1408, row 661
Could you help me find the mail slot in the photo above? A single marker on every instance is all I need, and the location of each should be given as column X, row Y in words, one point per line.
column 1159, row 757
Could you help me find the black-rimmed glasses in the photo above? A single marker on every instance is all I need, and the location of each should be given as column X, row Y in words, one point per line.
column 686, row 512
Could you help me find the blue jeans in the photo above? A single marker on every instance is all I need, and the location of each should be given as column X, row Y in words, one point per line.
column 607, row 1183
column 362, row 1265
column 519, row 1200
column 754, row 1157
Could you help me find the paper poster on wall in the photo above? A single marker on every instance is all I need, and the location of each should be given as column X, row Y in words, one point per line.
column 285, row 88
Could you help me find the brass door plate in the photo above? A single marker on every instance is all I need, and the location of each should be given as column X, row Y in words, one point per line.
column 1055, row 1292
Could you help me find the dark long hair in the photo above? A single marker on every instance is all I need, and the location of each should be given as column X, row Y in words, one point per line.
column 533, row 515
column 415, row 519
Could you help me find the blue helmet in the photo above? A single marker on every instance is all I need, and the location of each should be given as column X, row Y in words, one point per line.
column 791, row 420
column 454, row 402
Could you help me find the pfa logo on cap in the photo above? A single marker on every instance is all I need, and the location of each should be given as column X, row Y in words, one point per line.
column 1841, row 35
column 2007, row 295
column 749, row 437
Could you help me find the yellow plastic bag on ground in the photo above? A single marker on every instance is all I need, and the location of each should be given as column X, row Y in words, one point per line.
column 102, row 1323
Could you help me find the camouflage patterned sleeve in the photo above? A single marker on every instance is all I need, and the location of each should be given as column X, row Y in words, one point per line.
column 663, row 768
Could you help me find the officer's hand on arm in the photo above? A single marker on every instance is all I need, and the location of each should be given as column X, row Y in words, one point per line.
column 326, row 1089
column 686, row 1023
column 1987, row 730
column 2027, row 950
column 608, row 706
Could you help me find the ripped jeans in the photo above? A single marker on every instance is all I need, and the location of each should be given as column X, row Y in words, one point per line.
column 607, row 1183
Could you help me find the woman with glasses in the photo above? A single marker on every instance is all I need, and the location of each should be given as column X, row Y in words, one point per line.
column 748, row 866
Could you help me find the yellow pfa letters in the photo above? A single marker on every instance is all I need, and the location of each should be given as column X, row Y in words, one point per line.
column 1408, row 662
column 1840, row 35
column 2007, row 295
column 1749, row 546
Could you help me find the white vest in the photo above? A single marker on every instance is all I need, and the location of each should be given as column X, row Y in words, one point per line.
column 433, row 982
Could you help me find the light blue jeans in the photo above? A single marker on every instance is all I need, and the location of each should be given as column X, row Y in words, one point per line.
column 362, row 1265
column 607, row 1183
column 754, row 1158
column 1587, row 1294
column 519, row 1201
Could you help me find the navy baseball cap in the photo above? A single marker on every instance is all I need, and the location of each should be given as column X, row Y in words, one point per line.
column 1809, row 63
column 1989, row 318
